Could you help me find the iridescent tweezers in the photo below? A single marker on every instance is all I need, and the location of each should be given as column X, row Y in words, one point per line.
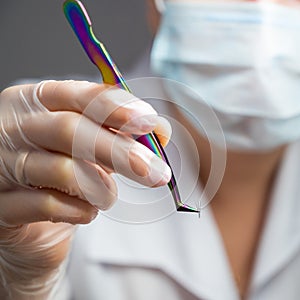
column 82, row 26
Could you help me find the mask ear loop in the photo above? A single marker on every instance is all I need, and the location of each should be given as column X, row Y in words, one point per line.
column 160, row 6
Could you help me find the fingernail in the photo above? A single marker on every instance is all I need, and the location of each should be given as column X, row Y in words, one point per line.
column 146, row 164
column 160, row 172
column 145, row 123
column 142, row 115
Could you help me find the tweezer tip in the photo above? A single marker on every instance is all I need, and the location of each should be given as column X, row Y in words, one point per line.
column 186, row 208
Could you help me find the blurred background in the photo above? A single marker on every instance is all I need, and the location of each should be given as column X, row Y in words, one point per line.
column 37, row 41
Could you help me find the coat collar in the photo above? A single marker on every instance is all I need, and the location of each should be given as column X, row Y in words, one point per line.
column 196, row 260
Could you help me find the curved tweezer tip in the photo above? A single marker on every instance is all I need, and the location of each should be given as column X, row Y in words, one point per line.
column 186, row 208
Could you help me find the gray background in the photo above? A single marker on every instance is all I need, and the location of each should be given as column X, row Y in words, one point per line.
column 36, row 40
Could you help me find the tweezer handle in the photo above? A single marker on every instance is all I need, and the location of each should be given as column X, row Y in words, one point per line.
column 82, row 26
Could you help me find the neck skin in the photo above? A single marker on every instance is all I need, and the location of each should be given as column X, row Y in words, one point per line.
column 248, row 176
column 245, row 171
column 241, row 202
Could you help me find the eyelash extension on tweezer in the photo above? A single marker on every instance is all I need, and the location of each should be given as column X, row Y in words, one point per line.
column 81, row 24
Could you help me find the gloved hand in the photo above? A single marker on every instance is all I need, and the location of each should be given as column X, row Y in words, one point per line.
column 59, row 143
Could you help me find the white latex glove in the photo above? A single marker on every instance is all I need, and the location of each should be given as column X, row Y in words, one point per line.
column 59, row 142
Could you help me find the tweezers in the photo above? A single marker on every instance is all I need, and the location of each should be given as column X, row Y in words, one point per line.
column 81, row 24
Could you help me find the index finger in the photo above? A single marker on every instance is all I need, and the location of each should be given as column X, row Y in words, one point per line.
column 111, row 106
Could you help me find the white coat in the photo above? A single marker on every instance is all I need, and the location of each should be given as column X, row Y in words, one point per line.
column 181, row 256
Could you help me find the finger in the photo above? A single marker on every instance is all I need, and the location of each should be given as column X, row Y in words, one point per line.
column 163, row 131
column 71, row 176
column 103, row 104
column 76, row 135
column 27, row 206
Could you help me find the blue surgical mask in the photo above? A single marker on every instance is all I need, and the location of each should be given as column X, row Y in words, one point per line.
column 243, row 60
